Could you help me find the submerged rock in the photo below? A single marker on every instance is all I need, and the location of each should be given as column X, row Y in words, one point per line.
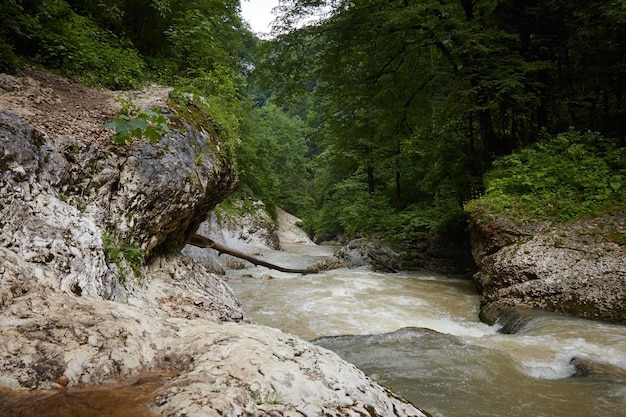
column 589, row 368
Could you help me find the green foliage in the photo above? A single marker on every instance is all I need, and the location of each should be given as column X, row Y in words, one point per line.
column 617, row 237
column 109, row 43
column 349, row 210
column 193, row 39
column 572, row 175
column 271, row 159
column 123, row 256
column 8, row 60
column 216, row 92
column 415, row 99
column 131, row 124
column 204, row 113
column 273, row 398
column 382, row 117
column 51, row 34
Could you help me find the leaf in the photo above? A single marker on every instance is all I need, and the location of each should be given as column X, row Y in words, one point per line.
column 152, row 134
column 138, row 123
column 615, row 185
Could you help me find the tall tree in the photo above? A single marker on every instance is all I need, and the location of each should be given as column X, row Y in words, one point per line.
column 427, row 93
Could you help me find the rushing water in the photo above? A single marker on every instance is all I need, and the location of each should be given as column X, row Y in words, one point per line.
column 419, row 334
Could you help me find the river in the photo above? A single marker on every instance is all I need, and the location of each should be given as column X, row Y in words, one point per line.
column 419, row 335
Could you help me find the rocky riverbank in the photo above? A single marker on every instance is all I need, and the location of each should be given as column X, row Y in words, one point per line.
column 94, row 287
column 577, row 268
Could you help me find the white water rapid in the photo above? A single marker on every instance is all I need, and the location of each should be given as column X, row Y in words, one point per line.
column 419, row 335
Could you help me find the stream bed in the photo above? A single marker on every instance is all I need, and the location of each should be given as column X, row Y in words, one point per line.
column 419, row 335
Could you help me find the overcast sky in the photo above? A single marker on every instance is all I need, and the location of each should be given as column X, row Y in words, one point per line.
column 258, row 13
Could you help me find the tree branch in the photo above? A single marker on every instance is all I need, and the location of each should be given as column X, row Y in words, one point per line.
column 204, row 242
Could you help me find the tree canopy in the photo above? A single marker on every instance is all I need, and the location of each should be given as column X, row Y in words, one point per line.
column 418, row 98
column 363, row 116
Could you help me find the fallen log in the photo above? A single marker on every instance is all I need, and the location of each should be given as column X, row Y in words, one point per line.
column 204, row 242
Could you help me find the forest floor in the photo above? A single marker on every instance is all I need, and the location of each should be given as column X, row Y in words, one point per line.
column 60, row 107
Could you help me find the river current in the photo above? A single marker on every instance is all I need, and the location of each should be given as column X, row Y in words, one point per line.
column 419, row 335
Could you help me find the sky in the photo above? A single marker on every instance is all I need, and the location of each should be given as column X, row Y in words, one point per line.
column 258, row 13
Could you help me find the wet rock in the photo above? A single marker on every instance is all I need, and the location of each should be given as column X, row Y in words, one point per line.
column 225, row 368
column 448, row 254
column 594, row 369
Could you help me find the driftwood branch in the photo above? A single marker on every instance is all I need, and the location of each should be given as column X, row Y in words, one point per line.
column 204, row 242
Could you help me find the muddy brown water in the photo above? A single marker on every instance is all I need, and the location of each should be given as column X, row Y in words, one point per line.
column 127, row 398
column 419, row 335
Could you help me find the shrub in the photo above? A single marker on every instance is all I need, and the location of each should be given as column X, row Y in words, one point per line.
column 8, row 60
column 51, row 34
column 572, row 175
column 123, row 256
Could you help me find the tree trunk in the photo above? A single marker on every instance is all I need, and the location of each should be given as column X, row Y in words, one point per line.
column 468, row 7
column 204, row 242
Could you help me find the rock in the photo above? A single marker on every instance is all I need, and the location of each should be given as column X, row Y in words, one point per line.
column 588, row 368
column 448, row 254
column 156, row 197
column 288, row 230
column 358, row 253
column 224, row 368
column 240, row 227
column 436, row 253
column 64, row 246
column 70, row 314
column 573, row 268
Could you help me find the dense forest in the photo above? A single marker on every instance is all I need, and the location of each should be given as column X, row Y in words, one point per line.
column 388, row 118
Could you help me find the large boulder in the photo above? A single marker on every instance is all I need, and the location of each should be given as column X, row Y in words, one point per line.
column 578, row 268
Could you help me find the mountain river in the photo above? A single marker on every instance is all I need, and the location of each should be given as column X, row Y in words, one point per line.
column 419, row 335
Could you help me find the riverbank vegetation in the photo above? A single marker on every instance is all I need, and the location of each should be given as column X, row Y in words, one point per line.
column 558, row 179
column 373, row 117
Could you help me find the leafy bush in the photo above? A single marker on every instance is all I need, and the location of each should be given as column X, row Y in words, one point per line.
column 123, row 256
column 83, row 50
column 8, row 60
column 51, row 34
column 572, row 175
column 216, row 92
column 352, row 211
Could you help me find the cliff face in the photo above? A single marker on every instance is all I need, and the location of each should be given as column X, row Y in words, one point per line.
column 94, row 287
column 576, row 268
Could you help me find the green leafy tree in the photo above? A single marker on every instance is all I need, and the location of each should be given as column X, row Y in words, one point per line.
column 271, row 159
column 418, row 97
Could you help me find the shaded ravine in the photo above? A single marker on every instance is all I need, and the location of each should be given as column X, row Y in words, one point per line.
column 420, row 335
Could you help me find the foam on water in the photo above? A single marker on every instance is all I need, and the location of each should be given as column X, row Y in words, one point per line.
column 470, row 372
